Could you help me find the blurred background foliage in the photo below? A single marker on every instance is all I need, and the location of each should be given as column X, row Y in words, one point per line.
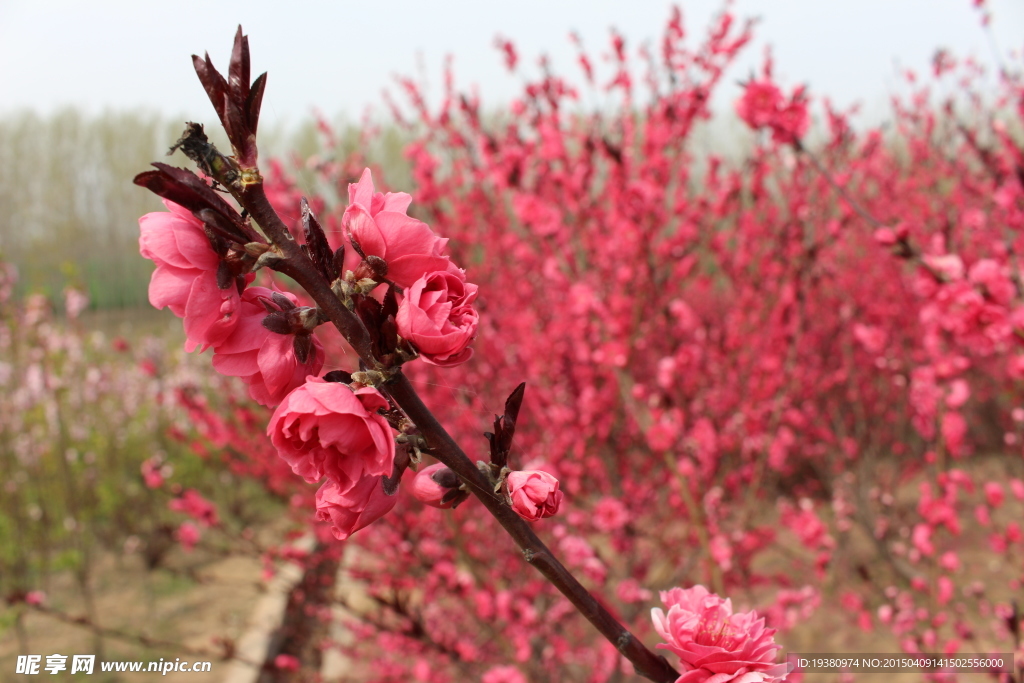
column 71, row 211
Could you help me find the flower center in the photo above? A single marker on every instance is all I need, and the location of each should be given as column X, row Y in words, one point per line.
column 716, row 631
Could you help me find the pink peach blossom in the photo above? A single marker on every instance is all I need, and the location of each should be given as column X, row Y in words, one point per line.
column 872, row 338
column 759, row 104
column 378, row 223
column 534, row 494
column 151, row 474
column 287, row 662
column 715, row 645
column 328, row 429
column 610, row 514
column 350, row 508
column 187, row 535
column 185, row 279
column 994, row 494
column 503, row 674
column 194, row 505
column 922, row 539
column 35, row 597
column 437, row 317
column 264, row 360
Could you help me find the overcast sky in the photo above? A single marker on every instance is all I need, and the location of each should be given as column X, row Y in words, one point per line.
column 339, row 55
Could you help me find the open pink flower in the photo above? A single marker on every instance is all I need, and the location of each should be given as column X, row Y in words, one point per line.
column 326, row 428
column 378, row 223
column 185, row 279
column 351, row 508
column 438, row 318
column 264, row 360
column 534, row 494
column 713, row 644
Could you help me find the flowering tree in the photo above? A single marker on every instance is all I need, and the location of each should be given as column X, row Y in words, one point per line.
column 727, row 362
column 339, row 427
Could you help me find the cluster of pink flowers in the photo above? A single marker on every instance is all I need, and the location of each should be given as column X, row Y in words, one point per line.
column 229, row 319
column 733, row 337
column 762, row 348
column 763, row 105
column 326, row 430
column 436, row 313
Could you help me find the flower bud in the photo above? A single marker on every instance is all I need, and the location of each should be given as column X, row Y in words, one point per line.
column 533, row 494
column 434, row 486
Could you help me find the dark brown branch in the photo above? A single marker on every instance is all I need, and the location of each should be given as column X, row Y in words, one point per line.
column 295, row 265
column 444, row 448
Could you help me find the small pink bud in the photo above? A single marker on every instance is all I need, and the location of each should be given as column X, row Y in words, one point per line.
column 286, row 662
column 35, row 597
column 432, row 484
column 534, row 494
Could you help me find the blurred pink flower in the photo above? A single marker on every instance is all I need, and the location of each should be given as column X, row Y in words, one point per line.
column 74, row 302
column 630, row 590
column 194, row 505
column 713, row 644
column 150, row 469
column 759, row 104
column 286, row 662
column 378, row 223
column 610, row 514
column 187, row 535
column 349, row 509
column 872, row 338
column 534, row 494
column 437, row 317
column 327, row 428
column 503, row 674
column 762, row 105
column 264, row 360
column 994, row 494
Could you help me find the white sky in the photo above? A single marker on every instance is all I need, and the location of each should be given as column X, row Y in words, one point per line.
column 339, row 55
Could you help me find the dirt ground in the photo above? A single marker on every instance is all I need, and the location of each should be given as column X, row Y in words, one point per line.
column 162, row 606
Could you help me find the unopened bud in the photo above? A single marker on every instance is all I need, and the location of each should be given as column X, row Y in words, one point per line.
column 533, row 494
column 309, row 318
column 366, row 285
column 438, row 486
column 267, row 259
